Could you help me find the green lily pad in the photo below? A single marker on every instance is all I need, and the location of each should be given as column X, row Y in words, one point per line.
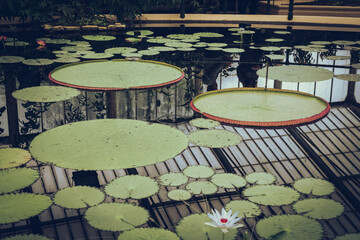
column 282, row 32
column 13, row 157
column 159, row 40
column 16, row 44
column 38, row 62
column 208, row 34
column 133, row 40
column 213, row 49
column 289, row 227
column 60, row 52
column 314, row 186
column 179, row 195
column 320, row 42
column 352, row 48
column 190, row 40
column 132, row 186
column 68, row 55
column 200, row 45
column 84, row 52
column 198, row 171
column 260, row 178
column 271, row 195
column 131, row 55
column 276, row 56
column 179, row 44
column 316, row 46
column 120, row 50
column 148, row 234
column 78, row 197
column 46, row 94
column 319, row 208
column 16, row 207
column 16, row 179
column 286, row 47
column 270, row 49
column 116, row 142
column 173, row 179
column 78, row 43
column 99, row 37
column 10, row 39
column 11, row 59
column 233, row 50
column 204, row 123
column 228, row 180
column 311, row 49
column 97, row 56
column 148, row 52
column 194, row 227
column 182, row 36
column 235, row 29
column 67, row 59
column 143, row 33
column 217, row 45
column 58, row 41
column 350, row 236
column 355, row 65
column 162, row 49
column 245, row 208
column 201, row 187
column 214, row 138
column 343, row 42
column 186, row 49
column 116, row 216
column 76, row 48
column 348, row 77
column 27, row 237
column 338, row 57
column 288, row 73
column 274, row 40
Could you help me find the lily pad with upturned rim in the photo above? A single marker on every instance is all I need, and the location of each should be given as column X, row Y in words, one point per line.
column 319, row 208
column 348, row 77
column 78, row 197
column 27, row 237
column 289, row 227
column 204, row 123
column 349, row 236
column 13, row 157
column 260, row 178
column 173, row 179
column 11, row 59
column 132, row 186
column 16, row 178
column 201, row 187
column 38, row 62
column 228, row 180
column 245, row 208
column 193, row 227
column 116, row 216
column 179, row 195
column 214, row 138
column 99, row 37
column 198, row 171
column 46, row 94
column 271, row 195
column 148, row 234
column 314, row 186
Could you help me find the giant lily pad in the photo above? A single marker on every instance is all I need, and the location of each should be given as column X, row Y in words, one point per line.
column 198, row 171
column 228, row 180
column 201, row 187
column 245, row 208
column 11, row 59
column 204, row 123
column 179, row 195
column 314, row 186
column 16, row 179
column 289, row 227
column 13, row 157
column 78, row 197
column 119, row 143
column 99, row 37
column 348, row 77
column 116, row 216
column 319, row 208
column 38, row 62
column 173, row 179
column 271, row 195
column 46, row 94
column 260, row 178
column 297, row 73
column 148, row 234
column 214, row 138
column 194, row 227
column 132, row 186
column 16, row 207
column 27, row 237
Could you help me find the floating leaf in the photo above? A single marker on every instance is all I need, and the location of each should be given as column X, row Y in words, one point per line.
column 186, row 49
column 214, row 138
column 46, row 94
column 314, row 186
column 348, row 77
column 201, row 187
column 271, row 195
column 204, row 123
column 132, row 186
column 97, row 55
column 148, row 52
column 194, row 227
column 199, row 171
column 99, row 37
column 177, row 44
column 282, row 32
column 16, row 43
column 233, row 50
column 179, row 195
column 78, row 197
column 159, row 40
column 16, row 179
column 321, row 42
column 355, row 65
column 338, row 57
column 316, row 46
column 76, row 48
column 67, row 60
column 173, row 179
column 319, row 208
column 120, row 50
column 245, row 208
column 148, row 234
column 228, row 180
column 260, row 178
column 162, row 49
column 79, row 43
column 116, row 216
column 16, row 207
column 13, row 157
column 343, row 42
column 58, row 41
column 133, row 40
column 270, row 49
column 310, row 49
column 276, row 56
column 141, row 33
column 289, row 227
column 11, row 59
column 27, row 237
column 217, row 45
column 350, row 236
column 274, row 40
column 183, row 36
column 213, row 48
column 38, row 62
column 132, row 55
column 208, row 34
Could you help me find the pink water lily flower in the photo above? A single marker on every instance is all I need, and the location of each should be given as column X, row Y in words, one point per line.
column 3, row 38
column 224, row 221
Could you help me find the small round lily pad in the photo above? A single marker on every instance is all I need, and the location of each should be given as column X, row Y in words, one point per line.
column 142, row 33
column 182, row 36
column 78, row 197
column 120, row 50
column 58, row 41
column 217, row 45
column 131, row 55
column 99, row 37
column 338, row 57
column 289, row 227
column 27, row 237
column 173, row 179
column 270, row 49
column 260, row 178
column 348, row 77
column 76, row 48
column 208, row 34
column 271, row 195
column 233, row 50
column 204, row 123
column 319, row 208
column 162, row 48
column 16, row 207
column 214, row 138
column 16, row 43
column 178, row 44
column 343, row 42
column 148, row 234
column 201, row 187
column 228, row 180
column 274, row 40
column 116, row 216
column 350, row 236
column 16, row 178
column 199, row 171
column 148, row 52
column 11, row 59
column 189, row 49
column 38, row 62
column 355, row 65
column 97, row 56
column 320, row 42
column 276, row 56
column 179, row 195
column 245, row 208
column 193, row 227
column 282, row 32
column 13, row 157
column 46, row 94
column 213, row 48
column 314, row 186
column 132, row 186
column 83, row 43
column 67, row 59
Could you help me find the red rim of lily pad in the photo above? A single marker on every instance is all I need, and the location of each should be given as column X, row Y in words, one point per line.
column 170, row 82
column 258, row 124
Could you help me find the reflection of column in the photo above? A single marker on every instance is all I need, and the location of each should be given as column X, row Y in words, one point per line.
column 111, row 104
column 12, row 110
column 350, row 97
